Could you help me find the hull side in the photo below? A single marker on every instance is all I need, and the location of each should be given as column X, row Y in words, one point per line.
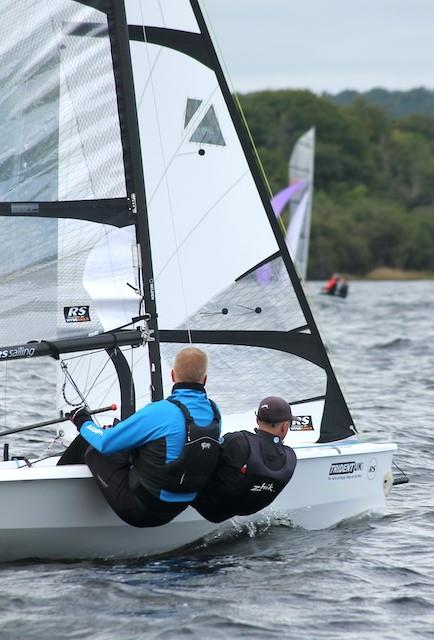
column 58, row 512
column 330, row 488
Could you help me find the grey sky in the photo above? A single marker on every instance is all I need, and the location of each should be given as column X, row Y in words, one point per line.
column 325, row 45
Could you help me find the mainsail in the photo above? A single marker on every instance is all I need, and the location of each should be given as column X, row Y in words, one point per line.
column 129, row 177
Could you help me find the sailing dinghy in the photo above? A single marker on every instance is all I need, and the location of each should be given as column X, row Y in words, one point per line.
column 299, row 196
column 133, row 219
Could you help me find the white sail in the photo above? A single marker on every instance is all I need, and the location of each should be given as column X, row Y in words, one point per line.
column 296, row 227
column 204, row 206
column 301, row 167
column 190, row 249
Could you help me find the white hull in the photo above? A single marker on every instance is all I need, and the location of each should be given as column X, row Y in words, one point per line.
column 57, row 512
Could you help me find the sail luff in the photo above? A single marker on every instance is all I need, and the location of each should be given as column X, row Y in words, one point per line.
column 138, row 195
column 347, row 421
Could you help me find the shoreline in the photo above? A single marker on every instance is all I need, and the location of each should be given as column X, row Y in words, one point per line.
column 385, row 273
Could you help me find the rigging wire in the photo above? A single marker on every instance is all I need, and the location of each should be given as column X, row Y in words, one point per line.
column 69, row 378
column 241, row 111
column 89, row 386
column 403, row 474
column 5, row 388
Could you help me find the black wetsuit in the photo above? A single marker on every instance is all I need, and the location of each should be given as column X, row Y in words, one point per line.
column 342, row 290
column 252, row 470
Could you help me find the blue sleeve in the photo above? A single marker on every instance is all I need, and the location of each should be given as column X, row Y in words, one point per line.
column 132, row 432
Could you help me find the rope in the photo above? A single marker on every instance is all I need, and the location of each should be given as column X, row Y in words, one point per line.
column 242, row 115
column 399, row 469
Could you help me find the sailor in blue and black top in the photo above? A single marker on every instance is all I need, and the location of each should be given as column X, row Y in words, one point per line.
column 151, row 465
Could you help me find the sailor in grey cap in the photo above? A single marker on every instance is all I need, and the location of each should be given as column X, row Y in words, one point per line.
column 253, row 467
column 273, row 410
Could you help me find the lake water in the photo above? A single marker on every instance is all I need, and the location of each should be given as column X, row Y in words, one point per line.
column 371, row 578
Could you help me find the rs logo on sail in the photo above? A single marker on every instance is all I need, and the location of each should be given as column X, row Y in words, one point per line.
column 76, row 314
column 301, row 423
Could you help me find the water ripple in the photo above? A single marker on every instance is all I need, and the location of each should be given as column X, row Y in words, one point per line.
column 368, row 578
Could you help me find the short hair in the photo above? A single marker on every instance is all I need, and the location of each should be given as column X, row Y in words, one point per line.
column 191, row 365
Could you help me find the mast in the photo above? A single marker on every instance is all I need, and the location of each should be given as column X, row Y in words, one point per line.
column 136, row 183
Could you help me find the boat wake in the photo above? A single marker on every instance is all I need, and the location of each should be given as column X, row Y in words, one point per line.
column 397, row 343
column 237, row 529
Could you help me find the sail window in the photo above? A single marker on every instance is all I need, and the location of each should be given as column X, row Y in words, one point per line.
column 208, row 131
column 192, row 106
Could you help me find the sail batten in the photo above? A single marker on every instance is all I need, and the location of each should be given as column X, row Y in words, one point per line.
column 116, row 211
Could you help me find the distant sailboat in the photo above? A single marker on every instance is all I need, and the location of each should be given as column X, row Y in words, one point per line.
column 299, row 195
column 301, row 168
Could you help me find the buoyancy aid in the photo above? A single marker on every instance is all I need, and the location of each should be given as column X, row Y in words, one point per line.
column 191, row 470
column 268, row 468
column 331, row 285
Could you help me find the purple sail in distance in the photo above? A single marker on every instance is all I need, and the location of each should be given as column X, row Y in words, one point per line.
column 281, row 199
column 278, row 202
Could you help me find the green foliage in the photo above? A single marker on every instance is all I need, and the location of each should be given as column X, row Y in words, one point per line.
column 421, row 254
column 395, row 103
column 374, row 186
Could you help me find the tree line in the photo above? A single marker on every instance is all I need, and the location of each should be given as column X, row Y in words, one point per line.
column 374, row 178
column 395, row 103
